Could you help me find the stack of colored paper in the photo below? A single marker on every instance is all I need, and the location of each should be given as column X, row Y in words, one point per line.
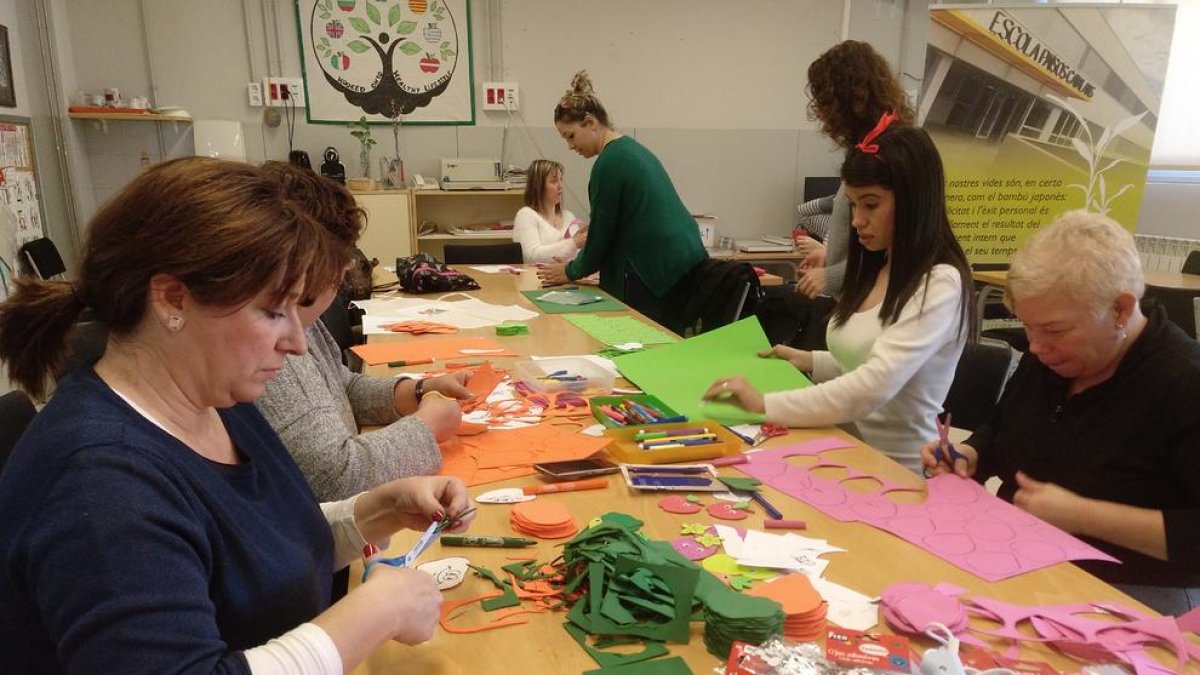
column 543, row 519
column 910, row 607
column 804, row 607
column 731, row 617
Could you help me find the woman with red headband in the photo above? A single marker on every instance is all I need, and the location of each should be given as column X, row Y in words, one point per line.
column 904, row 313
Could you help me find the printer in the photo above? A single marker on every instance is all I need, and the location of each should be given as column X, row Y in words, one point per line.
column 467, row 173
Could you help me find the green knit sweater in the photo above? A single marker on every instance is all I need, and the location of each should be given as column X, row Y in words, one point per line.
column 638, row 223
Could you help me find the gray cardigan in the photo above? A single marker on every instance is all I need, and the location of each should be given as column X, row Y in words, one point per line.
column 315, row 404
column 837, row 244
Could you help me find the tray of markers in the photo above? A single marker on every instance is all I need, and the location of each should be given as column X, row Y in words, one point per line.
column 564, row 374
column 616, row 412
column 684, row 478
column 672, row 442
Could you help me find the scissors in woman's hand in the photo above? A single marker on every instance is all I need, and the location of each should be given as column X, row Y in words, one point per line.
column 945, row 452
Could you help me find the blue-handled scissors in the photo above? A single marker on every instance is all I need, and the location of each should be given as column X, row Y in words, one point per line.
column 430, row 535
column 945, row 452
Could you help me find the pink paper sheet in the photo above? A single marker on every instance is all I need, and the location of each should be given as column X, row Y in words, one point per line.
column 959, row 521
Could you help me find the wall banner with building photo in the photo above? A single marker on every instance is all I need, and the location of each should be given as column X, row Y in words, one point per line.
column 387, row 60
column 1039, row 109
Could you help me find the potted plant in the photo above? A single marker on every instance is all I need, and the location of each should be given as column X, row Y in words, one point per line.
column 362, row 131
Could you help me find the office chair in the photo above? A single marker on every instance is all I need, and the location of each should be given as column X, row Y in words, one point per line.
column 978, row 380
column 1179, row 303
column 16, row 412
column 43, row 258
column 1192, row 264
column 484, row 254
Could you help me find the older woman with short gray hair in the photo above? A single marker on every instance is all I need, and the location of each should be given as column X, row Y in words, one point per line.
column 1098, row 431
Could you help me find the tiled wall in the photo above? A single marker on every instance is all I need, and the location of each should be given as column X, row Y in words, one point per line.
column 115, row 150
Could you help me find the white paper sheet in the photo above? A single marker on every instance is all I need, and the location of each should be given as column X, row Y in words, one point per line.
column 466, row 312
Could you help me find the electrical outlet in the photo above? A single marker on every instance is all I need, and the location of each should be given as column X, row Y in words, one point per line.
column 500, row 96
column 284, row 91
column 254, row 93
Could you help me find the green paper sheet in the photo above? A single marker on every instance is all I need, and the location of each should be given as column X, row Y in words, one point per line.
column 674, row 665
column 680, row 373
column 614, row 659
column 616, row 330
column 608, row 304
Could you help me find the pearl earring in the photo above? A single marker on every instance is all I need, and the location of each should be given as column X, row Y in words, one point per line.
column 174, row 323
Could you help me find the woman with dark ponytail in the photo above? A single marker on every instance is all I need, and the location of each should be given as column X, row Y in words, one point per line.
column 905, row 310
column 150, row 519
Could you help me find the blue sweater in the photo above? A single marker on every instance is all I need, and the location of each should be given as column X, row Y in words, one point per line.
column 123, row 551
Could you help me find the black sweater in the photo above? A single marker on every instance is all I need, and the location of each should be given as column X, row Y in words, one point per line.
column 1133, row 439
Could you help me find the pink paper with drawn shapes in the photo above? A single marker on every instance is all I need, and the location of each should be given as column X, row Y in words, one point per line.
column 1091, row 632
column 959, row 521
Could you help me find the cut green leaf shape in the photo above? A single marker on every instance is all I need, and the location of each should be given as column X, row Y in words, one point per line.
column 740, row 583
column 693, row 528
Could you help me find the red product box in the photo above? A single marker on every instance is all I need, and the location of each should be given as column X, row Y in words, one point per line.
column 877, row 651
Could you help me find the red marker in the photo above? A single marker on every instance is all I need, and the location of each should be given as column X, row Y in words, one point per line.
column 569, row 486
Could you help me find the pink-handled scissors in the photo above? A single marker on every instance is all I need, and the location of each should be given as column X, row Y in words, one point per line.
column 945, row 452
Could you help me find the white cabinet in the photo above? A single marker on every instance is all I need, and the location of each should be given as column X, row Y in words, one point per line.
column 388, row 234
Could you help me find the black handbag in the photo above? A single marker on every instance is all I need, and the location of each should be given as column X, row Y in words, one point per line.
column 422, row 273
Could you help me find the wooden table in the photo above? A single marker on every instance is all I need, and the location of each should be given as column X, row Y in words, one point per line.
column 873, row 559
column 999, row 278
column 789, row 259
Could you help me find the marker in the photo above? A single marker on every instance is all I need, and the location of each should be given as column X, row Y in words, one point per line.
column 780, row 524
column 762, row 501
column 671, row 443
column 744, row 437
column 647, row 435
column 667, row 469
column 569, row 486
column 672, row 420
column 410, row 362
column 488, row 542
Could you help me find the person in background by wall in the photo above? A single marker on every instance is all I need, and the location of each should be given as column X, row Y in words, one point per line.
column 316, row 404
column 1098, row 430
column 546, row 231
column 905, row 312
column 152, row 474
column 641, row 238
column 850, row 86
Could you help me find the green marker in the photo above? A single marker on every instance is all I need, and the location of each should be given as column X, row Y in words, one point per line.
column 488, row 542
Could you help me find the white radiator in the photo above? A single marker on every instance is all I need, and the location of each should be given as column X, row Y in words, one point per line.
column 1164, row 254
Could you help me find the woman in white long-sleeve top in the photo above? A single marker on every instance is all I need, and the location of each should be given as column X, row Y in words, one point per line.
column 545, row 230
column 904, row 314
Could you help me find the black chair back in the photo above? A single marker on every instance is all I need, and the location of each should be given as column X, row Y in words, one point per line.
column 978, row 380
column 816, row 187
column 714, row 293
column 16, row 412
column 1179, row 304
column 43, row 258
column 1192, row 264
column 484, row 254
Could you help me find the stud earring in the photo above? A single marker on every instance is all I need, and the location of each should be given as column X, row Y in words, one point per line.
column 174, row 323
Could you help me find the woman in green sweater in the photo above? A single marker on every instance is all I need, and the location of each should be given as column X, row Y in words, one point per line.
column 641, row 238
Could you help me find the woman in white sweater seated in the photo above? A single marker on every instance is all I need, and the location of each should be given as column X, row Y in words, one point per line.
column 545, row 230
column 904, row 314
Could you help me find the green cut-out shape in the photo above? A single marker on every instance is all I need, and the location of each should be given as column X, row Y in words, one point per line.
column 741, row 484
column 742, row 505
column 708, row 540
column 693, row 499
column 694, row 528
column 674, row 665
column 652, row 649
column 507, row 599
column 740, row 583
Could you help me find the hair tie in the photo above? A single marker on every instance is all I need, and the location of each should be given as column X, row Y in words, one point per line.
column 866, row 145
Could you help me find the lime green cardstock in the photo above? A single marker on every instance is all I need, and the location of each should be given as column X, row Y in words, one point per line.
column 680, row 373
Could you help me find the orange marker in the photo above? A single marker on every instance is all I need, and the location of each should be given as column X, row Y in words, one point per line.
column 570, row 486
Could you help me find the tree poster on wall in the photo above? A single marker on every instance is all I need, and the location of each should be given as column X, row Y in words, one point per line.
column 387, row 59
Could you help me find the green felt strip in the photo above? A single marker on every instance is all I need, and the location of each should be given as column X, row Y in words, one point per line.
column 616, row 330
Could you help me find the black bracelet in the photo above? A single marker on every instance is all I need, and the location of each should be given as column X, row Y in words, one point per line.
column 419, row 390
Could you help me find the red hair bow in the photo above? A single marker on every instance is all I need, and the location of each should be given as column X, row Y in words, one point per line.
column 866, row 144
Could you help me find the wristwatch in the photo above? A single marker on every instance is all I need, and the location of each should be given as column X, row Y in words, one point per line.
column 419, row 390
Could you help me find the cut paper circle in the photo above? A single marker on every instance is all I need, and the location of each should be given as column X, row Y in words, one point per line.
column 504, row 496
column 679, row 504
column 447, row 572
column 691, row 549
column 725, row 511
column 543, row 519
column 724, row 565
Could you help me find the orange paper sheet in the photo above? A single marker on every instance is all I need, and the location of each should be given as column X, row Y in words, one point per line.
column 420, row 327
column 482, row 383
column 424, row 349
column 500, row 455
